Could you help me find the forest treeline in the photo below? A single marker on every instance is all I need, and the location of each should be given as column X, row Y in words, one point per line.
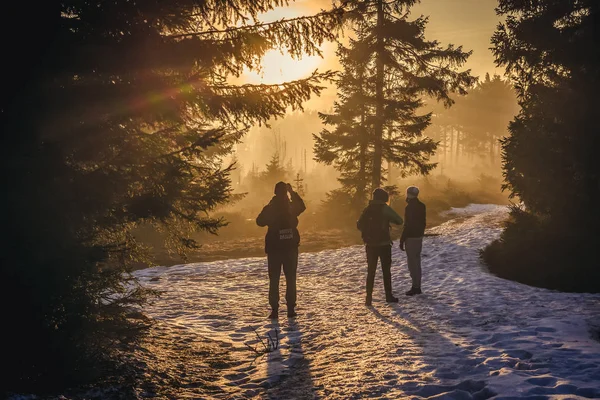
column 466, row 135
column 551, row 55
column 120, row 115
column 467, row 171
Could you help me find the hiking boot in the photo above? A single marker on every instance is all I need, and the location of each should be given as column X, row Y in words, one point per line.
column 391, row 299
column 413, row 291
column 369, row 301
column 274, row 314
column 291, row 313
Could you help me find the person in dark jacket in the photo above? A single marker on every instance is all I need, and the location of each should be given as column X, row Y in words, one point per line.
column 411, row 240
column 281, row 244
column 374, row 224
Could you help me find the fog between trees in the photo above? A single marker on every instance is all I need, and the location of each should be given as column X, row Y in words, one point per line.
column 468, row 164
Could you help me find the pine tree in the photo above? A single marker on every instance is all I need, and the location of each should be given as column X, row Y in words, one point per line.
column 347, row 145
column 274, row 172
column 550, row 52
column 388, row 67
column 115, row 114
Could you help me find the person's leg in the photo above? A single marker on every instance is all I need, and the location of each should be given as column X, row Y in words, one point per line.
column 290, row 267
column 274, row 264
column 419, row 248
column 372, row 256
column 385, row 254
column 413, row 248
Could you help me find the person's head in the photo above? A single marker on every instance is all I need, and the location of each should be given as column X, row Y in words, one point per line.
column 380, row 195
column 281, row 189
column 412, row 192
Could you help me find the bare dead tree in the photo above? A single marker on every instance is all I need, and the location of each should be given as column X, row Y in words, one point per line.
column 265, row 345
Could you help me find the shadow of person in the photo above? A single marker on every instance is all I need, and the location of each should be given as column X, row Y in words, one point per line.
column 288, row 369
column 406, row 329
column 430, row 356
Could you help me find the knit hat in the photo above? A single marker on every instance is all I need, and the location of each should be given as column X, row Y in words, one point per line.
column 412, row 192
column 380, row 195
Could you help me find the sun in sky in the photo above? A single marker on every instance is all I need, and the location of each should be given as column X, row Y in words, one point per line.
column 448, row 24
column 277, row 66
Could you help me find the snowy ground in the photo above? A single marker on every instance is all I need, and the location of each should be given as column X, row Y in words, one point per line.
column 471, row 335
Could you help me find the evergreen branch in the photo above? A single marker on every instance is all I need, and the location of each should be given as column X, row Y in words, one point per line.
column 315, row 76
column 338, row 11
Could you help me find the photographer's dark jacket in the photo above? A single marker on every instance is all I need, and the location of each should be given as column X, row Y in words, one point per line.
column 281, row 216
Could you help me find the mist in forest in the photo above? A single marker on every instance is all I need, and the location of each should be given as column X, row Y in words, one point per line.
column 468, row 162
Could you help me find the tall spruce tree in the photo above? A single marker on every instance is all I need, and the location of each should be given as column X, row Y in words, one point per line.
column 347, row 145
column 114, row 114
column 388, row 67
column 550, row 52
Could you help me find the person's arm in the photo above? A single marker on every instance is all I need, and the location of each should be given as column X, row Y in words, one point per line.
column 263, row 217
column 407, row 223
column 359, row 223
column 392, row 215
column 298, row 205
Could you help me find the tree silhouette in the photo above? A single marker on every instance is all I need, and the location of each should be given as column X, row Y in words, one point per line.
column 118, row 113
column 347, row 145
column 550, row 52
column 274, row 171
column 388, row 68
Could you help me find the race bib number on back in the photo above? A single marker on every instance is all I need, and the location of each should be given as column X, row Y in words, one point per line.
column 286, row 234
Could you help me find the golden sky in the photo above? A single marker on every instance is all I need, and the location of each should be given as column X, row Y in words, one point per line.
column 469, row 23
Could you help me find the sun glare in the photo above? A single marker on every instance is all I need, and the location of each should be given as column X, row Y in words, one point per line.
column 277, row 66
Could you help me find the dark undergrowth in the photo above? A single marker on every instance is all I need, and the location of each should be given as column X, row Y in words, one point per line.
column 157, row 365
column 535, row 252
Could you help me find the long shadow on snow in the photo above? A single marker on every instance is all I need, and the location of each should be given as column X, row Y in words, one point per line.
column 296, row 382
column 509, row 316
column 434, row 347
column 439, row 358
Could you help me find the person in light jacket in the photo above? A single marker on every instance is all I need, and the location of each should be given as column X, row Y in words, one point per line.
column 411, row 240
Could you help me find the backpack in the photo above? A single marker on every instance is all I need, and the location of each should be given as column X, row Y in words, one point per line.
column 375, row 228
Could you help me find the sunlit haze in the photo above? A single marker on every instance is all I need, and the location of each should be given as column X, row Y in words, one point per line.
column 467, row 23
column 277, row 67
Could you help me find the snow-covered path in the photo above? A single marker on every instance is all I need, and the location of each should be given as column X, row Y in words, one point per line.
column 471, row 335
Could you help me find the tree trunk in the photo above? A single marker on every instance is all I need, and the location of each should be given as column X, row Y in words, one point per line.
column 457, row 151
column 379, row 75
column 390, row 174
column 444, row 145
column 361, row 190
column 451, row 145
column 492, row 151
